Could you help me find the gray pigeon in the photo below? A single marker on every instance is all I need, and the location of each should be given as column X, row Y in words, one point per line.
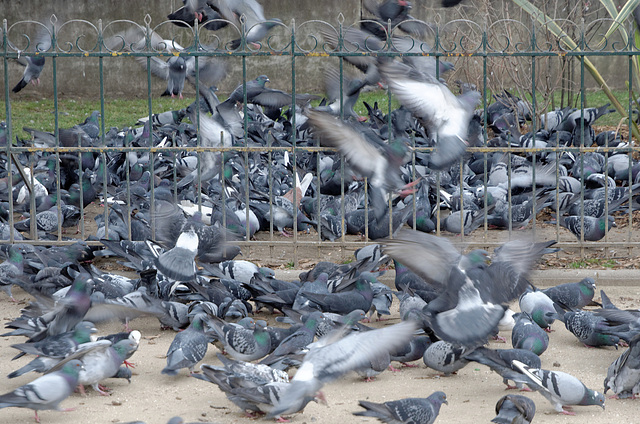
column 45, row 392
column 240, row 342
column 103, row 362
column 594, row 228
column 514, row 409
column 178, row 263
column 573, row 295
column 561, row 389
column 378, row 161
column 472, row 296
column 444, row 357
column 623, row 375
column 409, row 410
column 334, row 356
column 445, row 116
column 539, row 306
column 11, row 269
column 187, row 348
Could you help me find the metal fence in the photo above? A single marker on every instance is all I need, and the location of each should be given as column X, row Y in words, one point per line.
column 524, row 57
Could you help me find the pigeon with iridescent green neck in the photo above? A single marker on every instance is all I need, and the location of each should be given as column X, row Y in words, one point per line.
column 45, row 392
column 187, row 348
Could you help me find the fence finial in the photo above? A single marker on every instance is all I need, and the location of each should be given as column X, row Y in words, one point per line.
column 147, row 19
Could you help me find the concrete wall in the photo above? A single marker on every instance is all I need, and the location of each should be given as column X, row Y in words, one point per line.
column 125, row 78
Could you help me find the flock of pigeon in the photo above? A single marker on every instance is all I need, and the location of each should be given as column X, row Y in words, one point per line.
column 188, row 277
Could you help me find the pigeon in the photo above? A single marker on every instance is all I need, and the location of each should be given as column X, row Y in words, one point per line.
column 445, row 357
column 33, row 65
column 514, row 409
column 334, row 356
column 539, row 306
column 561, row 389
column 526, row 334
column 45, row 392
column 499, row 360
column 243, row 343
column 187, row 348
column 178, row 263
column 473, row 296
column 594, row 228
column 589, row 328
column 11, row 269
column 573, row 296
column 60, row 345
column 377, row 161
column 623, row 375
column 103, row 361
column 408, row 410
column 297, row 341
column 445, row 116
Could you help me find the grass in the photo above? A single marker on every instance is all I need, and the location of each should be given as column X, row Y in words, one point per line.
column 122, row 113
column 593, row 262
column 290, row 265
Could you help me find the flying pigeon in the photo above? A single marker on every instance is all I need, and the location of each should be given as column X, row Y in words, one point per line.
column 334, row 356
column 473, row 296
column 377, row 161
column 409, row 410
column 445, row 116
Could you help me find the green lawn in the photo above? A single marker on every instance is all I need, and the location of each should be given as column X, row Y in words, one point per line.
column 125, row 113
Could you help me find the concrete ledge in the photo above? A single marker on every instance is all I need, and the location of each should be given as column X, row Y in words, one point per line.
column 542, row 278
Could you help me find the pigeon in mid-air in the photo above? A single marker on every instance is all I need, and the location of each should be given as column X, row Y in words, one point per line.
column 561, row 389
column 514, row 409
column 409, row 410
column 45, row 392
column 378, row 161
column 472, row 296
column 334, row 356
column 445, row 116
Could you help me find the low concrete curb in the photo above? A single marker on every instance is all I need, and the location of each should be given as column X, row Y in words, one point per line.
column 542, row 278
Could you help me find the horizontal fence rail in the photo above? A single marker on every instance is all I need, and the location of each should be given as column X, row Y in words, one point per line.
column 257, row 162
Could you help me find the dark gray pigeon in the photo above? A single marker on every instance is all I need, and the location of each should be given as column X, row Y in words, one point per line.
column 409, row 410
column 594, row 228
column 526, row 334
column 500, row 361
column 561, row 389
column 179, row 263
column 623, row 375
column 514, row 409
column 45, row 392
column 573, row 295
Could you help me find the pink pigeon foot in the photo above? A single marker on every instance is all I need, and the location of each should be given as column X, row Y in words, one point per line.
column 548, row 330
column 129, row 364
column 282, row 420
column 409, row 365
column 500, row 339
column 392, row 369
column 565, row 412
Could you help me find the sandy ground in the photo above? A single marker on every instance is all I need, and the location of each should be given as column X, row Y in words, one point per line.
column 472, row 394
